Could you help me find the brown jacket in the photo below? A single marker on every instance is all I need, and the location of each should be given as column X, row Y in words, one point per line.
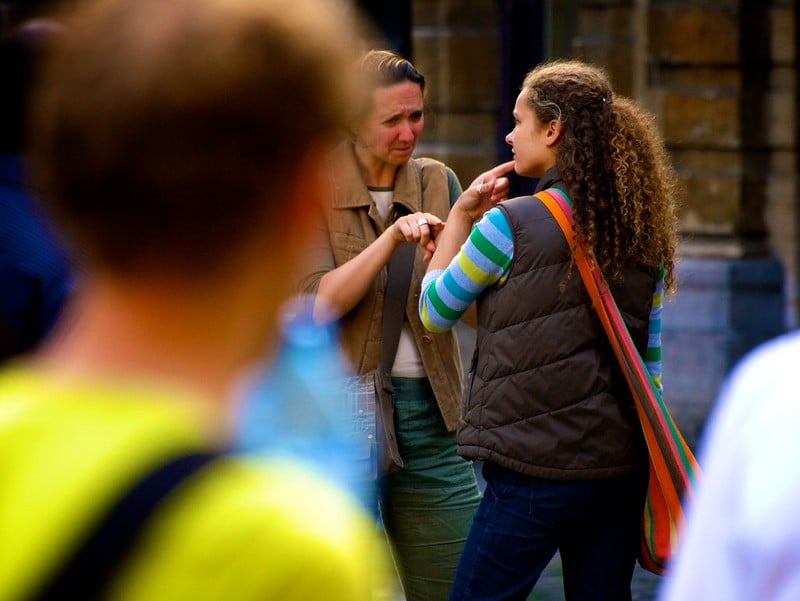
column 351, row 224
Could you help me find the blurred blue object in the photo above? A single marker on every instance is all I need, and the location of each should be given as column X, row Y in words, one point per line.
column 297, row 406
column 34, row 274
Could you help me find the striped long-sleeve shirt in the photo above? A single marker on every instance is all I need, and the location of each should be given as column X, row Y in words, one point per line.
column 484, row 260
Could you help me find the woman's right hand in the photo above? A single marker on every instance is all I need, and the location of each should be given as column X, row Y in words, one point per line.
column 487, row 190
column 421, row 228
column 342, row 288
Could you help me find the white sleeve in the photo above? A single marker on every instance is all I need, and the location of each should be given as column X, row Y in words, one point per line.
column 742, row 539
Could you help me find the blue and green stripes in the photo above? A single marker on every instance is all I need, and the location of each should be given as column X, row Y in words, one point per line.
column 483, row 260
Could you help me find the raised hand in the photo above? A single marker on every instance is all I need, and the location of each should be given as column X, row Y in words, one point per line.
column 486, row 190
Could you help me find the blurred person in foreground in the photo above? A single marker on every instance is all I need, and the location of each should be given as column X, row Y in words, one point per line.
column 34, row 277
column 178, row 146
column 742, row 538
column 384, row 198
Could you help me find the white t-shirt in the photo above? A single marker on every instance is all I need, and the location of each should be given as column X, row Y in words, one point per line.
column 742, row 539
column 407, row 361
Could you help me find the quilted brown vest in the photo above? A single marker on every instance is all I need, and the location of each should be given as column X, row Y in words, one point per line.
column 546, row 397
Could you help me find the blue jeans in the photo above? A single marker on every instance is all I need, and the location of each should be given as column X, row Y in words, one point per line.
column 522, row 521
column 427, row 507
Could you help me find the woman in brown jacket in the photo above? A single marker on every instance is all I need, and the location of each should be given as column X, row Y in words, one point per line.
column 382, row 198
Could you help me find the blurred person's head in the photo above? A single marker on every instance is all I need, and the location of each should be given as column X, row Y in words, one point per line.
column 391, row 117
column 182, row 147
column 168, row 135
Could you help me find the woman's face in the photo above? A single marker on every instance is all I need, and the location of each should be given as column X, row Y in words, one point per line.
column 532, row 142
column 390, row 130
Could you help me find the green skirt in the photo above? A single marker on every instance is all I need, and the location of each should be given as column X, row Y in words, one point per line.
column 427, row 507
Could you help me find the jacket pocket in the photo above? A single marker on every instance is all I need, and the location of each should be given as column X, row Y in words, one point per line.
column 346, row 247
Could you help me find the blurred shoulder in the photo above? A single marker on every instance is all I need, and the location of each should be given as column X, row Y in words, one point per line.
column 767, row 370
column 265, row 530
column 756, row 406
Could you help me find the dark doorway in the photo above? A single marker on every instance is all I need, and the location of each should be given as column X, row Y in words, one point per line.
column 393, row 20
column 522, row 46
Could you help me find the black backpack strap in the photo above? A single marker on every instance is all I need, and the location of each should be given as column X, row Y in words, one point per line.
column 87, row 573
column 399, row 269
column 398, row 281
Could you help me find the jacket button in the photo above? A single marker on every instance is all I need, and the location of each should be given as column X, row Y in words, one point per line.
column 426, row 339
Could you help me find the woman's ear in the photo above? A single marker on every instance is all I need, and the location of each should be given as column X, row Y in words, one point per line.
column 553, row 133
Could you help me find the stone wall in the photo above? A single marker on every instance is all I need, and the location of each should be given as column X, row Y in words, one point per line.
column 721, row 78
column 456, row 46
column 726, row 105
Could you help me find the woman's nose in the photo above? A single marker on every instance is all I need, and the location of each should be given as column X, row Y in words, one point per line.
column 406, row 132
column 510, row 138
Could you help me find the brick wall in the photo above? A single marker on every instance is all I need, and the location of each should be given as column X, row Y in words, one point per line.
column 456, row 46
column 721, row 78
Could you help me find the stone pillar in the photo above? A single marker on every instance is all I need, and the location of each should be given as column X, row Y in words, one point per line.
column 609, row 33
column 719, row 77
column 456, row 45
column 715, row 101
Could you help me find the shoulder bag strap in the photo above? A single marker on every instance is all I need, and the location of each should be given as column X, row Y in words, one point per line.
column 398, row 281
column 88, row 571
column 593, row 279
column 672, row 459
column 602, row 300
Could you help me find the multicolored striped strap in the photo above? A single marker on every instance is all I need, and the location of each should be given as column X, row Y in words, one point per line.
column 671, row 458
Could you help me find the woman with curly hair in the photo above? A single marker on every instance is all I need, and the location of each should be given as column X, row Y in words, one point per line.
column 547, row 407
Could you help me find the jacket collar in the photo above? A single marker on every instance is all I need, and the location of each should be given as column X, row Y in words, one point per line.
column 351, row 192
column 550, row 179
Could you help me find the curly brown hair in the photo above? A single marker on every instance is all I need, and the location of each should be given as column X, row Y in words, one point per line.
column 613, row 161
